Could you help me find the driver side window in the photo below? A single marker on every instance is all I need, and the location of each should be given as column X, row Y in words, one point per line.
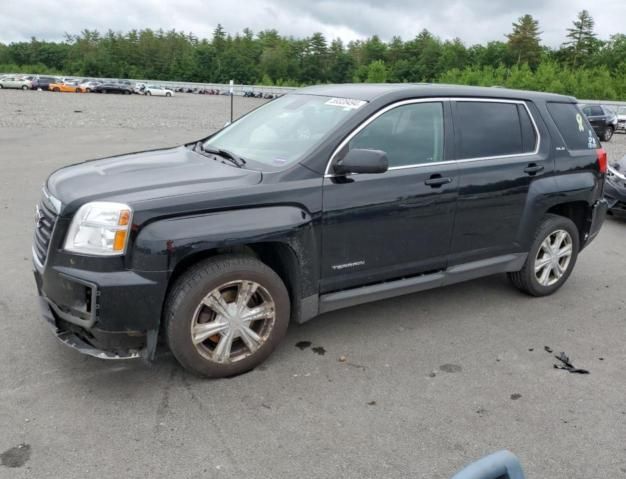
column 409, row 134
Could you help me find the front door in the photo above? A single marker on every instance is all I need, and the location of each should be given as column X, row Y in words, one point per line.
column 378, row 227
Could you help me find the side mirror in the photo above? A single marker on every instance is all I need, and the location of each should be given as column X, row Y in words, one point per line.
column 362, row 161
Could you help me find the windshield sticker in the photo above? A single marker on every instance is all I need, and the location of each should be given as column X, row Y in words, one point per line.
column 579, row 120
column 347, row 103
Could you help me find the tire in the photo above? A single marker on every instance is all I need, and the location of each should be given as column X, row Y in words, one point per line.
column 608, row 134
column 168, row 94
column 56, row 89
column 78, row 90
column 24, row 87
column 228, row 278
column 87, row 90
column 148, row 93
column 527, row 279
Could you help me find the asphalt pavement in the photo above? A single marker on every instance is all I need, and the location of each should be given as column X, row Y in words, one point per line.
column 413, row 387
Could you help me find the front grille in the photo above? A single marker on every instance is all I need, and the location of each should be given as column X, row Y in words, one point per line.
column 45, row 219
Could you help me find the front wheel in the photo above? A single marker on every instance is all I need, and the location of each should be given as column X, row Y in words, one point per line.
column 608, row 134
column 24, row 87
column 168, row 94
column 148, row 93
column 226, row 315
column 551, row 258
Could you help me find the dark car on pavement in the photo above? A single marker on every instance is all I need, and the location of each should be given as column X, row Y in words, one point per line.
column 112, row 87
column 602, row 119
column 615, row 188
column 325, row 198
column 43, row 82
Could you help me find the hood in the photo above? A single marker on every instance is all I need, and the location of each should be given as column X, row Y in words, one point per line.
column 148, row 174
column 620, row 165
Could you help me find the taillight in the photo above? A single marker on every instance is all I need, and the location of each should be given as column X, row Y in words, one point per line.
column 602, row 160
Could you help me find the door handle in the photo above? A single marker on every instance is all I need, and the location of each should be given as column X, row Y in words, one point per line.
column 533, row 169
column 436, row 181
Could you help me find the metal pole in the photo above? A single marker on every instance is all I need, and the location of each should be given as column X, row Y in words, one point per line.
column 231, row 100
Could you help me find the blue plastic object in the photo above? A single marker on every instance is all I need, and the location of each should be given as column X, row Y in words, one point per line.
column 499, row 465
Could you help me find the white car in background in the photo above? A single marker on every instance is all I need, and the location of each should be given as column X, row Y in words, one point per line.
column 15, row 82
column 157, row 91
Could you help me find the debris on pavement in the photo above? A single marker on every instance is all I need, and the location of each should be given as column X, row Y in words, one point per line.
column 302, row 345
column 567, row 365
column 515, row 396
column 319, row 350
column 342, row 359
column 451, row 368
column 548, row 349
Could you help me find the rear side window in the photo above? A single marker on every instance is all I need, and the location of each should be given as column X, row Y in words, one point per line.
column 494, row 129
column 573, row 126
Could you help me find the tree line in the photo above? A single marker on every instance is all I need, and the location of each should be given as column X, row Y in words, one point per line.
column 584, row 65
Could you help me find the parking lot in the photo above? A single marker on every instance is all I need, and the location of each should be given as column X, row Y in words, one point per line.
column 413, row 387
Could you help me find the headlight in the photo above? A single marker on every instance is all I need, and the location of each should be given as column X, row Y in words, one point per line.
column 100, row 228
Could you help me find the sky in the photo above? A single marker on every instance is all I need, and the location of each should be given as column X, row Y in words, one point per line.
column 474, row 21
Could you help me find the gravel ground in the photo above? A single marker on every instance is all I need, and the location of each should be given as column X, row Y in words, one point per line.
column 41, row 109
column 431, row 381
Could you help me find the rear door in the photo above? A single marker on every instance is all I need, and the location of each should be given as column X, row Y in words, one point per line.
column 378, row 227
column 498, row 146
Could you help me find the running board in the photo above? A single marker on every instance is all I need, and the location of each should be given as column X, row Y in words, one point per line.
column 390, row 289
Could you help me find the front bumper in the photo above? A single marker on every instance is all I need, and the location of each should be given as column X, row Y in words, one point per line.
column 108, row 315
column 615, row 194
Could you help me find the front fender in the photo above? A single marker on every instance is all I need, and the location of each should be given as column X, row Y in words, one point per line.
column 161, row 245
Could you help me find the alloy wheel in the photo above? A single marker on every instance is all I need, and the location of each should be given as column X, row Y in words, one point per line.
column 233, row 321
column 553, row 257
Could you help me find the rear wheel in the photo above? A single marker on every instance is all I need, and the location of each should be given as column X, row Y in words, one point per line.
column 148, row 93
column 608, row 134
column 168, row 94
column 226, row 315
column 24, row 87
column 551, row 258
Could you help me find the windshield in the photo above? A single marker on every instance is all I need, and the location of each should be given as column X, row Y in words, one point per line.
column 280, row 132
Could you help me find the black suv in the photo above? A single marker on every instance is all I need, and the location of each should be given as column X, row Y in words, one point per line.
column 113, row 87
column 325, row 198
column 603, row 120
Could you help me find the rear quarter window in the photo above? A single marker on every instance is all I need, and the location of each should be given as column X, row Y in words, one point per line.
column 573, row 126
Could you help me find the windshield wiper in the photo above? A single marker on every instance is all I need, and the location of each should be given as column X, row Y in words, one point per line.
column 237, row 160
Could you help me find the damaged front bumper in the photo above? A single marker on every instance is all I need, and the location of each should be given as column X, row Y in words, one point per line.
column 80, row 339
column 615, row 195
column 107, row 315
